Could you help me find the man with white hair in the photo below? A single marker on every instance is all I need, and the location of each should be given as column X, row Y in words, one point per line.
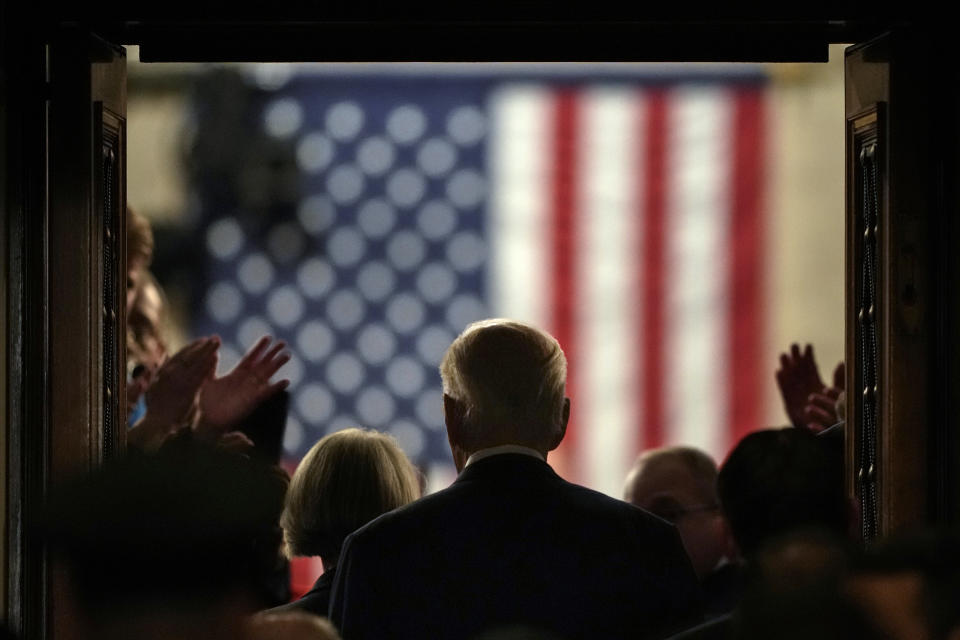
column 510, row 542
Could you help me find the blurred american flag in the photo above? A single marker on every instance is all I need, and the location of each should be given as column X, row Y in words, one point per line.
column 622, row 211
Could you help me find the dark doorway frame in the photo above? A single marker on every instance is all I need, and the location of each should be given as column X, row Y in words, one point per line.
column 415, row 31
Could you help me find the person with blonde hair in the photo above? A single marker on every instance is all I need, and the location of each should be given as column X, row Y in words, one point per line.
column 146, row 343
column 144, row 303
column 510, row 543
column 168, row 395
column 347, row 479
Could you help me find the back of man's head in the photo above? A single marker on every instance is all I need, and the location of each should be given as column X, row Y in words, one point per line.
column 509, row 378
column 795, row 591
column 779, row 480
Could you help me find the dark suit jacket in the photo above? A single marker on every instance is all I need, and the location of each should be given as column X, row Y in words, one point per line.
column 511, row 542
column 719, row 628
column 722, row 590
column 315, row 601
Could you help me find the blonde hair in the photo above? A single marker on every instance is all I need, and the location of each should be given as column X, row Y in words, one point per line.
column 507, row 374
column 346, row 479
column 144, row 327
column 139, row 238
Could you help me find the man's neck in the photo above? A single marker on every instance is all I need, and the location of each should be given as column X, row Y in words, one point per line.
column 504, row 448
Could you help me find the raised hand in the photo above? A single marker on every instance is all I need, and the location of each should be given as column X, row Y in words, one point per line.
column 840, row 377
column 798, row 378
column 821, row 409
column 226, row 400
column 173, row 392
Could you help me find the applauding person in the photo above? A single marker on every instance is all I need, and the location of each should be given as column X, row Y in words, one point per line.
column 226, row 400
column 186, row 392
column 807, row 399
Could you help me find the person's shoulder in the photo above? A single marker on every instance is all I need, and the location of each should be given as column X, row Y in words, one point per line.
column 587, row 498
column 718, row 628
column 412, row 515
column 615, row 518
column 315, row 602
column 637, row 540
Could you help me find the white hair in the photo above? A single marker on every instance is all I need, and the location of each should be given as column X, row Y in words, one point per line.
column 507, row 375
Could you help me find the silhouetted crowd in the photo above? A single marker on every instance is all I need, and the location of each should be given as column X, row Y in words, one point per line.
column 189, row 534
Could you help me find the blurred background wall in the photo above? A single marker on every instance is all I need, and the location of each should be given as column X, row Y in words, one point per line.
column 806, row 287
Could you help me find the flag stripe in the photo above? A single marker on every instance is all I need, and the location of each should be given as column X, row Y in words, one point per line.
column 697, row 260
column 520, row 283
column 746, row 246
column 655, row 227
column 565, row 229
column 654, row 271
column 607, row 264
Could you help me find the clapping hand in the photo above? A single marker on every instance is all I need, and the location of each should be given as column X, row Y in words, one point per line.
column 808, row 401
column 821, row 410
column 798, row 378
column 172, row 394
column 226, row 400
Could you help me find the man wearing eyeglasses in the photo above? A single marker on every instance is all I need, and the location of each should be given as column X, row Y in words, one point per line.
column 679, row 484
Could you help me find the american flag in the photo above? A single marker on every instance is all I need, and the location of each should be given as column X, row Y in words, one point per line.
column 620, row 210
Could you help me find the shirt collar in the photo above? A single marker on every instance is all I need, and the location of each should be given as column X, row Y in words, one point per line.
column 503, row 448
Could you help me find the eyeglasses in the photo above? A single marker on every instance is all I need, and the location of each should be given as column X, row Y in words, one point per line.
column 672, row 511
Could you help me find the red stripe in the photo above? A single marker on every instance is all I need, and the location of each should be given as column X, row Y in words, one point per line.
column 747, row 264
column 564, row 199
column 653, row 273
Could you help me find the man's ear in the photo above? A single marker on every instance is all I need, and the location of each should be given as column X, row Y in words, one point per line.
column 564, row 419
column 453, row 411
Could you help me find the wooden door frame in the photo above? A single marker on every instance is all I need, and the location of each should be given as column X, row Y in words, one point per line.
column 27, row 418
column 905, row 80
column 54, row 233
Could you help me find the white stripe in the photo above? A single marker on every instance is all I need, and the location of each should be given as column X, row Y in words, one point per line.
column 519, row 168
column 697, row 263
column 607, row 269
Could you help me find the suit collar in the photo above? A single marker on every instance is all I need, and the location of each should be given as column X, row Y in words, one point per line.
column 504, row 448
column 508, row 467
column 324, row 582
